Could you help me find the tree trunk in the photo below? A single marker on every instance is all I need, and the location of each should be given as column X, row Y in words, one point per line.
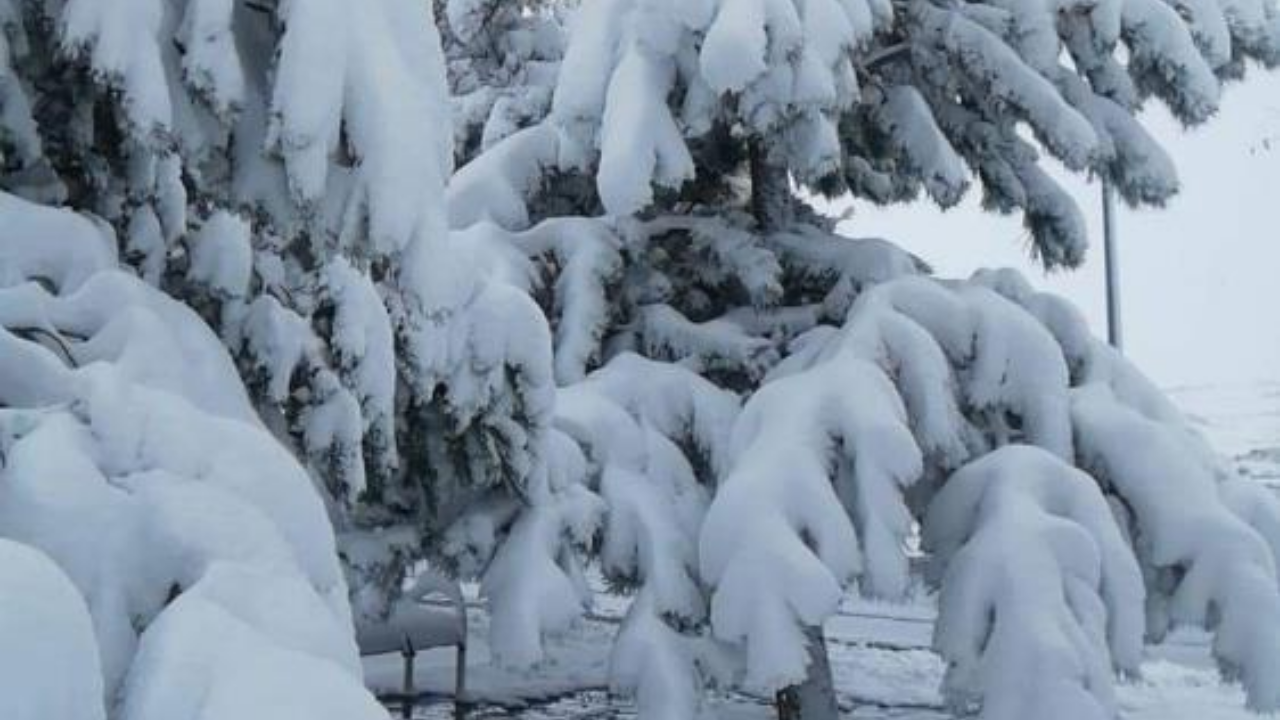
column 770, row 189
column 815, row 698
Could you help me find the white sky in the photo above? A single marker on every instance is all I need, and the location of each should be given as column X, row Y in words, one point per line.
column 1200, row 279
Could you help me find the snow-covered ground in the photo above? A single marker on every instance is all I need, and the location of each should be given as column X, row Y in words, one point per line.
column 880, row 652
column 1242, row 421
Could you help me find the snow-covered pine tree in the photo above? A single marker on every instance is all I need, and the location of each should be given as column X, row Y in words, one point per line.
column 415, row 374
column 877, row 397
column 280, row 166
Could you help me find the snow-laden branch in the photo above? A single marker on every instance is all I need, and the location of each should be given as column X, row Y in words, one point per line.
column 647, row 429
column 1041, row 596
column 924, row 376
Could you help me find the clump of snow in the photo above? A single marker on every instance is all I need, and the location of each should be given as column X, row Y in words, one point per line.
column 221, row 255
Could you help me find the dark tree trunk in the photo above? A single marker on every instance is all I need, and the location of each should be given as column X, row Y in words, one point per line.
column 815, row 698
column 771, row 201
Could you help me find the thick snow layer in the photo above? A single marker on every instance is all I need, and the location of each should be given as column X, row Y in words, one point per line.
column 208, row 569
column 121, row 42
column 1215, row 569
column 777, row 552
column 48, row 655
column 383, row 79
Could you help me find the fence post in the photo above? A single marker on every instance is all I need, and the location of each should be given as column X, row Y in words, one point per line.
column 460, row 683
column 410, row 693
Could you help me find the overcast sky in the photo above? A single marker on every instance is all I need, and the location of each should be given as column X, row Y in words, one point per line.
column 1200, row 279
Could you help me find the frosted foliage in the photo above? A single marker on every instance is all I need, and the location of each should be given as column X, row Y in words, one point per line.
column 888, row 101
column 383, row 78
column 211, row 64
column 503, row 59
column 656, row 664
column 789, row 568
column 528, row 553
column 588, row 254
column 183, row 559
column 1208, row 565
column 363, row 342
column 302, row 215
column 497, row 185
column 1208, row 559
column 824, row 487
column 1041, row 596
column 528, row 285
column 237, row 176
column 855, row 416
column 990, row 66
column 532, row 591
column 787, row 64
column 122, row 42
column 655, row 507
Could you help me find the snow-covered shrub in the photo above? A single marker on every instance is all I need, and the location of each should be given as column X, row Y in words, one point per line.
column 194, row 578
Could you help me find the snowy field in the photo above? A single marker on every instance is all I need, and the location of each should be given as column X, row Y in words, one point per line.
column 1242, row 421
column 880, row 653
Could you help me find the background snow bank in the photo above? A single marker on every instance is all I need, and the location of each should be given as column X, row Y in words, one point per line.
column 129, row 455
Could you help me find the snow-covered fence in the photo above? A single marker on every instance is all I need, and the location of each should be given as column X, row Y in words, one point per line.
column 432, row 614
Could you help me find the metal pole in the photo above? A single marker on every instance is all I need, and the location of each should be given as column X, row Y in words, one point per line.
column 410, row 692
column 460, row 683
column 1112, row 253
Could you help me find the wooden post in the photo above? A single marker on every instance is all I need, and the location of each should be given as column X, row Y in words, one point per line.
column 410, row 692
